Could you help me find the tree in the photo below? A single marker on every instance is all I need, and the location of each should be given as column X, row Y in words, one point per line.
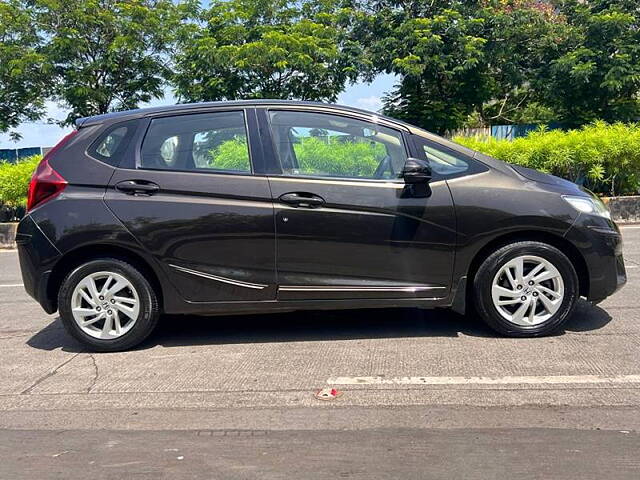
column 261, row 49
column 439, row 54
column 523, row 38
column 23, row 68
column 458, row 60
column 598, row 74
column 106, row 55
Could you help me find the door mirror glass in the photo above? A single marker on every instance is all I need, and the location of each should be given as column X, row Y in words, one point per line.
column 416, row 171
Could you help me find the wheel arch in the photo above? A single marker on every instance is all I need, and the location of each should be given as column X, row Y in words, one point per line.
column 561, row 243
column 80, row 255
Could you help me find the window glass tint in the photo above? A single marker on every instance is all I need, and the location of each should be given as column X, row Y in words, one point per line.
column 318, row 144
column 109, row 144
column 442, row 162
column 112, row 143
column 201, row 142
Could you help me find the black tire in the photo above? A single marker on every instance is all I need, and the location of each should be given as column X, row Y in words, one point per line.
column 147, row 318
column 482, row 284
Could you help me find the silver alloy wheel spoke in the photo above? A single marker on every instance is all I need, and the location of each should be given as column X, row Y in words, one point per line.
column 95, row 319
column 90, row 300
column 527, row 290
column 105, row 305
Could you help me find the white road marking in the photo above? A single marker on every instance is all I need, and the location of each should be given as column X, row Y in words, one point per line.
column 13, row 285
column 628, row 227
column 509, row 380
column 8, row 250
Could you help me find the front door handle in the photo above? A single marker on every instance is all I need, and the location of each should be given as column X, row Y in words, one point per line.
column 137, row 187
column 302, row 199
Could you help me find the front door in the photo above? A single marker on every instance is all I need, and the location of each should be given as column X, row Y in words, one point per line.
column 194, row 204
column 346, row 225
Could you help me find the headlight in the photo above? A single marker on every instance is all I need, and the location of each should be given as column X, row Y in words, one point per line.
column 592, row 206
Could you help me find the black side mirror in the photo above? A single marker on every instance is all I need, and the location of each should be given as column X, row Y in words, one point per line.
column 416, row 171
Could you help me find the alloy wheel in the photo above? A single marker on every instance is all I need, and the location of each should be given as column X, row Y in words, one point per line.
column 527, row 290
column 105, row 305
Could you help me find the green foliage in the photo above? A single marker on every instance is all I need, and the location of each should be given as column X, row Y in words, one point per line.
column 316, row 155
column 457, row 62
column 596, row 74
column 22, row 68
column 458, row 58
column 14, row 180
column 604, row 157
column 231, row 155
column 330, row 156
column 106, row 55
column 260, row 49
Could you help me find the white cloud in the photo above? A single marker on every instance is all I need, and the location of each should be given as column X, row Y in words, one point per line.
column 43, row 134
column 39, row 134
column 373, row 103
column 367, row 95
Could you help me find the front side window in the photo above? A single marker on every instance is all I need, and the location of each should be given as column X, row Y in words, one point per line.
column 324, row 145
column 200, row 142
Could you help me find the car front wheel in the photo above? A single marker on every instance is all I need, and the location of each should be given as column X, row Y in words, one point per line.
column 108, row 305
column 526, row 289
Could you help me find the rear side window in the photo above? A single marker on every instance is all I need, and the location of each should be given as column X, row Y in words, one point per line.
column 112, row 143
column 207, row 142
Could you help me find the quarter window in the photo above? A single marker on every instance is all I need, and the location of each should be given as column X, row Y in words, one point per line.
column 112, row 143
column 323, row 145
column 109, row 145
column 199, row 142
column 443, row 161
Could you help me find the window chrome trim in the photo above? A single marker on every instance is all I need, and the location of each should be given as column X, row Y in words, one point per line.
column 355, row 182
column 230, row 281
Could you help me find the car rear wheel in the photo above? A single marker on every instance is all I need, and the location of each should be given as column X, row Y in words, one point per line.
column 526, row 289
column 108, row 305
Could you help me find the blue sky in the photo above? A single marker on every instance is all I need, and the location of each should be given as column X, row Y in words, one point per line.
column 41, row 134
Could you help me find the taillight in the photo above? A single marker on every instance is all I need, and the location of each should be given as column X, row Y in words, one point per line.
column 46, row 183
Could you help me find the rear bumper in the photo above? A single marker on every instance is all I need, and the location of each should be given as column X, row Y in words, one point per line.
column 600, row 242
column 37, row 256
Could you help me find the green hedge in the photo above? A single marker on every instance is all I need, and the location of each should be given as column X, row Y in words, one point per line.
column 14, row 180
column 315, row 156
column 341, row 158
column 603, row 157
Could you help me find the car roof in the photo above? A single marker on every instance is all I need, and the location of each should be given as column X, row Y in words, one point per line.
column 185, row 107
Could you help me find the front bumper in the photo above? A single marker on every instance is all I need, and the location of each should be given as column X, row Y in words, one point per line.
column 37, row 256
column 600, row 243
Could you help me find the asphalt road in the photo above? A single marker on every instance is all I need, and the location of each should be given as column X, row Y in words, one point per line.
column 426, row 394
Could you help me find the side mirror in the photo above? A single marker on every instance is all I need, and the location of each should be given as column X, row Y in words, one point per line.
column 416, row 171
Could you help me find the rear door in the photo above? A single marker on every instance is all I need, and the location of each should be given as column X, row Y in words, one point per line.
column 347, row 226
column 191, row 199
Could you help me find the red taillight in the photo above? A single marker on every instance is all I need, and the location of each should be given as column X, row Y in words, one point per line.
column 46, row 183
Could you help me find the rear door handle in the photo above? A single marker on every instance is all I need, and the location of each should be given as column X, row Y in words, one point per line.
column 137, row 187
column 302, row 199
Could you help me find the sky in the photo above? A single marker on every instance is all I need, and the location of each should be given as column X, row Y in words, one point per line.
column 41, row 134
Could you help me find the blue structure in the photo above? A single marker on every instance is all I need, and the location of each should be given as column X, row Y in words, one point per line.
column 12, row 155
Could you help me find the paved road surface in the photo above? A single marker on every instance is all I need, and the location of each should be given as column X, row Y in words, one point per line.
column 426, row 394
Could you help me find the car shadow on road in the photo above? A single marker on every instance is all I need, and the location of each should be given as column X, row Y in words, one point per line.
column 305, row 326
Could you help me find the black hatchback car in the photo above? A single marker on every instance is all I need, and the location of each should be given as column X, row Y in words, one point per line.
column 266, row 206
